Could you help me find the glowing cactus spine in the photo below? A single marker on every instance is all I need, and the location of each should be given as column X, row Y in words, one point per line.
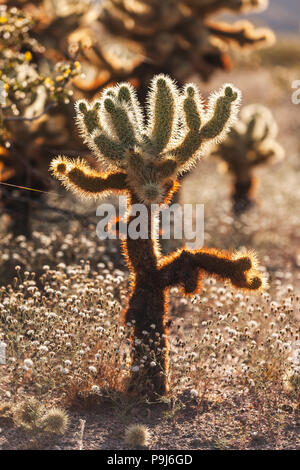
column 250, row 143
column 143, row 161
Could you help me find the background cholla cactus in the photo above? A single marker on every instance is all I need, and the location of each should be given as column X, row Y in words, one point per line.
column 33, row 112
column 134, row 39
column 143, row 161
column 250, row 143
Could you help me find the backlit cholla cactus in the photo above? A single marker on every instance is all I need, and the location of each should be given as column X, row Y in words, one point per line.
column 143, row 161
column 250, row 143
column 134, row 39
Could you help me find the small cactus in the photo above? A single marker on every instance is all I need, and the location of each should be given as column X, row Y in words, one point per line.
column 143, row 160
column 33, row 416
column 55, row 420
column 29, row 413
column 137, row 435
column 250, row 143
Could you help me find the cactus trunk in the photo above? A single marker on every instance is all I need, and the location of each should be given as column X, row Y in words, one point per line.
column 241, row 196
column 147, row 307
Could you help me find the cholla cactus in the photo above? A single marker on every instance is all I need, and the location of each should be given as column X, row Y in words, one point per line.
column 250, row 143
column 55, row 420
column 137, row 435
column 32, row 415
column 29, row 413
column 137, row 38
column 143, row 161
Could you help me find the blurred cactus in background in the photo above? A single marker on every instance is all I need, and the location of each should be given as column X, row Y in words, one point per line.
column 250, row 143
column 133, row 39
column 143, row 161
column 34, row 115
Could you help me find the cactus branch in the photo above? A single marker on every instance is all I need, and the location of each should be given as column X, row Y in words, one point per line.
column 221, row 108
column 242, row 34
column 82, row 180
column 222, row 112
column 162, row 106
column 121, row 123
column 187, row 267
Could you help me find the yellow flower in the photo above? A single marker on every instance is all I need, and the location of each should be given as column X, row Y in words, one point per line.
column 3, row 20
column 6, row 86
column 77, row 65
column 59, row 78
column 48, row 81
column 28, row 56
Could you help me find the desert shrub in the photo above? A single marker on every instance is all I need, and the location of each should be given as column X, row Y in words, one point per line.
column 34, row 92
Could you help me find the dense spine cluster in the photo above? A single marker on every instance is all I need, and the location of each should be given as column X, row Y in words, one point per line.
column 250, row 143
column 143, row 160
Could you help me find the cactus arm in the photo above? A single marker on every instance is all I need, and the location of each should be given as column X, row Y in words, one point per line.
column 242, row 34
column 108, row 149
column 88, row 122
column 187, row 266
column 127, row 95
column 223, row 109
column 87, row 117
column 192, row 112
column 264, row 155
column 82, row 180
column 121, row 123
column 162, row 110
